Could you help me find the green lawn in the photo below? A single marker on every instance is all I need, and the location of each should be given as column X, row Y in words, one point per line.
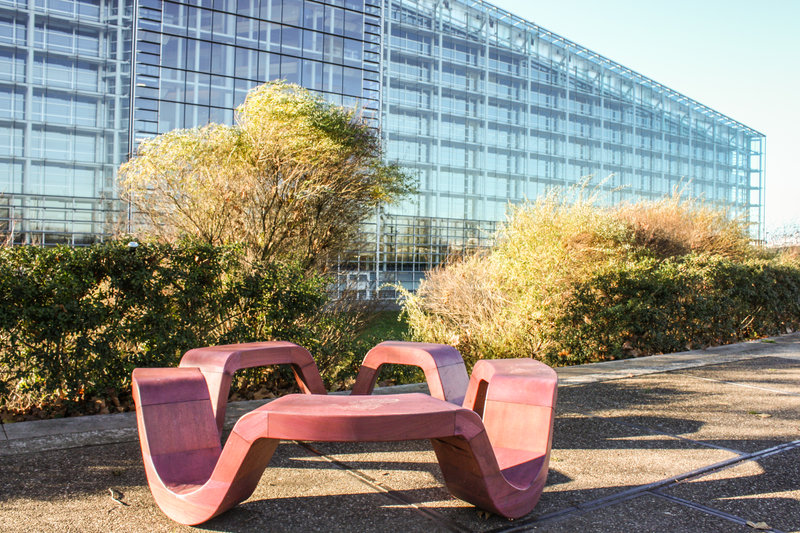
column 391, row 326
column 385, row 326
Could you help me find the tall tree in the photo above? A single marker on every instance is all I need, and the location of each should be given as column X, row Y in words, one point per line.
column 293, row 178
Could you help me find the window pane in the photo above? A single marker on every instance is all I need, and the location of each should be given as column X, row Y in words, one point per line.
column 246, row 63
column 222, row 59
column 247, row 7
column 354, row 25
column 195, row 115
column 247, row 32
column 312, row 75
column 223, row 27
column 290, row 69
column 334, row 20
column 221, row 91
column 292, row 13
column 334, row 49
column 290, row 43
column 351, row 84
column 198, row 55
column 312, row 44
column 333, row 78
column 353, row 52
column 313, row 16
column 172, row 85
column 197, row 87
column 170, row 116
column 173, row 51
column 175, row 18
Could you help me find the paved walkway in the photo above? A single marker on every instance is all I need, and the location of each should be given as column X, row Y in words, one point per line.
column 698, row 441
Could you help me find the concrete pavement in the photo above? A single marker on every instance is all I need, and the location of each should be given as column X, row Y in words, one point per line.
column 707, row 440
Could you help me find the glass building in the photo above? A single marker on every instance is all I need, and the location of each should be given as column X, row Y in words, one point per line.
column 483, row 107
column 64, row 108
column 487, row 108
column 195, row 61
column 83, row 81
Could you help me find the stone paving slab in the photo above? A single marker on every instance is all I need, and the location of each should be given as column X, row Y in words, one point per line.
column 774, row 374
column 717, row 413
column 766, row 490
column 644, row 514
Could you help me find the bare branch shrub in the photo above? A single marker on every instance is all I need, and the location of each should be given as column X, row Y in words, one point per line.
column 292, row 179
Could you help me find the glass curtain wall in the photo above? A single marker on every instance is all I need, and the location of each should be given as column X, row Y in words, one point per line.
column 487, row 108
column 66, row 88
column 196, row 60
column 483, row 107
column 64, row 106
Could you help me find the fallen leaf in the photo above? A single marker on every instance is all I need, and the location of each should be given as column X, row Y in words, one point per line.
column 758, row 525
column 117, row 496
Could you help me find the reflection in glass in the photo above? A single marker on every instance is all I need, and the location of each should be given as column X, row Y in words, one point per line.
column 290, row 69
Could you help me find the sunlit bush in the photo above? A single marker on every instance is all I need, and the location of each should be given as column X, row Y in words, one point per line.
column 568, row 282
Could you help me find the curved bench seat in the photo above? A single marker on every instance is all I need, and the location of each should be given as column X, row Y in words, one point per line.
column 493, row 450
column 191, row 477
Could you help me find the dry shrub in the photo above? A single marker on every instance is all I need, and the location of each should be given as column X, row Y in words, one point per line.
column 503, row 301
column 458, row 305
column 789, row 254
column 293, row 179
column 676, row 226
column 511, row 301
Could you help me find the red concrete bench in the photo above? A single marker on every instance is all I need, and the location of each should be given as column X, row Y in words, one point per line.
column 443, row 367
column 218, row 363
column 493, row 451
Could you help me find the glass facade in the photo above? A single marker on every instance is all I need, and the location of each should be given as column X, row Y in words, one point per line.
column 83, row 81
column 64, row 106
column 487, row 108
column 196, row 60
column 483, row 107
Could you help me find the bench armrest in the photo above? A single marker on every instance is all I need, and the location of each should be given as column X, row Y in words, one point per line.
column 218, row 363
column 443, row 367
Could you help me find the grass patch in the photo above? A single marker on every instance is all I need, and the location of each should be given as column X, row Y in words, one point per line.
column 390, row 326
column 385, row 326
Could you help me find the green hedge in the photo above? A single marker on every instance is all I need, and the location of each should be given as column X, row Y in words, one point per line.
column 74, row 322
column 651, row 306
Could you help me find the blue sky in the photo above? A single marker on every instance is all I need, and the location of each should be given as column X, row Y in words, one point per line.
column 741, row 58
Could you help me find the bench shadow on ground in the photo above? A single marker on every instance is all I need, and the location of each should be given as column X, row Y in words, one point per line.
column 733, row 490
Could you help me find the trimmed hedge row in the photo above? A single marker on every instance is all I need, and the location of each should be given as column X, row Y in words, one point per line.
column 74, row 322
column 651, row 306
